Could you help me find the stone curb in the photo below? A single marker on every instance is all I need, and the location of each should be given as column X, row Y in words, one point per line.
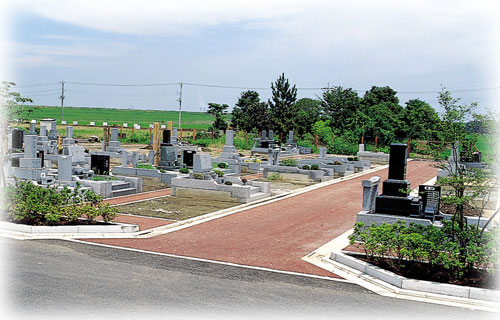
column 415, row 285
column 34, row 230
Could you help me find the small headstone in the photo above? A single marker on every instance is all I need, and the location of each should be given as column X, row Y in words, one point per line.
column 202, row 163
column 69, row 132
column 263, row 135
column 104, row 124
column 271, row 135
column 63, row 122
column 17, row 138
column 188, row 157
column 33, row 121
column 370, row 192
column 125, row 159
column 229, row 137
column 135, row 158
column 76, row 152
column 163, row 126
column 32, row 128
column 92, row 123
column 125, row 125
column 322, row 152
column 290, row 137
column 151, row 157
column 361, row 147
column 75, row 122
column 114, row 134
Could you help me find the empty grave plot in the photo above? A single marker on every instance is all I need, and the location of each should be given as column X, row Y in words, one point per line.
column 279, row 186
column 174, row 208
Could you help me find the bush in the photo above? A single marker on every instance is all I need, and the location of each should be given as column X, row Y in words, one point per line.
column 289, row 162
column 198, row 176
column 274, row 176
column 438, row 246
column 136, row 138
column 104, row 178
column 352, row 158
column 306, row 167
column 184, row 170
column 31, row 204
column 315, row 167
column 223, row 165
column 228, row 183
column 219, row 173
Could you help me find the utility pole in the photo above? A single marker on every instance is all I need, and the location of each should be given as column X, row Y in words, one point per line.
column 62, row 100
column 180, row 104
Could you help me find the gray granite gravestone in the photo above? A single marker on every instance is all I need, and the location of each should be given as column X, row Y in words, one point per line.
column 202, row 163
column 322, row 152
column 370, row 192
column 64, row 168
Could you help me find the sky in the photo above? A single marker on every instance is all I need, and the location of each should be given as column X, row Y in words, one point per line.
column 220, row 48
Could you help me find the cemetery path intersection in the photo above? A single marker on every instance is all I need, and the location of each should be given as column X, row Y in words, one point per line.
column 275, row 235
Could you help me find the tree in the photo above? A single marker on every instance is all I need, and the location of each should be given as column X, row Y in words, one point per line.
column 383, row 114
column 420, row 120
column 308, row 113
column 342, row 106
column 250, row 113
column 218, row 111
column 282, row 110
column 13, row 104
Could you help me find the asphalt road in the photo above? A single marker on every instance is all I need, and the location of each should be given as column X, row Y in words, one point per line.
column 56, row 279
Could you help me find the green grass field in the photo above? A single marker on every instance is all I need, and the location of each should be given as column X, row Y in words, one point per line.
column 190, row 120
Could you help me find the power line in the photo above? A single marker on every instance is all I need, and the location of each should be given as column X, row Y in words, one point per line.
column 41, row 91
column 122, row 85
column 37, row 85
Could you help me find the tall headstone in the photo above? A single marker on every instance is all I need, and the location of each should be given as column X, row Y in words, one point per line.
column 30, row 146
column 43, row 131
column 228, row 148
column 125, row 159
column 263, row 135
column 17, row 138
column 166, row 136
column 32, row 130
column 173, row 138
column 361, row 147
column 151, row 157
column 135, row 158
column 64, row 168
column 271, row 135
column 397, row 161
column 114, row 134
column 69, row 136
column 290, row 137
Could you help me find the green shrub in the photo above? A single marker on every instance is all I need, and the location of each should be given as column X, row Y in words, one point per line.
column 163, row 171
column 31, row 204
column 104, row 178
column 228, row 183
column 274, row 176
column 219, row 173
column 337, row 163
column 137, row 138
column 289, row 162
column 184, row 170
column 438, row 246
column 198, row 176
column 306, row 167
column 352, row 158
column 314, row 167
column 223, row 165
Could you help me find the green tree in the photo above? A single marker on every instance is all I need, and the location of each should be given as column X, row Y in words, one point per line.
column 14, row 105
column 308, row 113
column 420, row 120
column 382, row 114
column 282, row 105
column 342, row 106
column 250, row 113
column 218, row 111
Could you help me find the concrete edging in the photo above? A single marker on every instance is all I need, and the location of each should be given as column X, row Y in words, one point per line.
column 415, row 285
column 113, row 228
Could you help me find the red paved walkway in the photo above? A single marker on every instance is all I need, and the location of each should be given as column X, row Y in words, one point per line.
column 143, row 222
column 279, row 234
column 138, row 196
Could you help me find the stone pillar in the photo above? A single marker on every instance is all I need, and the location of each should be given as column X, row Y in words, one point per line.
column 125, row 159
column 69, row 132
column 290, row 136
column 64, row 168
column 264, row 135
column 271, row 135
column 135, row 158
column 173, row 139
column 229, row 137
column 43, row 131
column 370, row 192
column 151, row 157
column 276, row 157
column 322, row 152
column 361, row 147
column 32, row 129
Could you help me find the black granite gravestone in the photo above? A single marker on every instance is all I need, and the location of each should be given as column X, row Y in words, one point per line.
column 430, row 199
column 187, row 157
column 166, row 136
column 100, row 164
column 398, row 158
column 17, row 138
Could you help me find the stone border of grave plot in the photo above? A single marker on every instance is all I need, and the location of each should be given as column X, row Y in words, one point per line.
column 415, row 285
column 112, row 228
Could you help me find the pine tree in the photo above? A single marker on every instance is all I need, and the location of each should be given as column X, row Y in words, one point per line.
column 282, row 106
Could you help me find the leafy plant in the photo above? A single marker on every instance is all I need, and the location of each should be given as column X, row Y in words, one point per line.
column 219, row 173
column 184, row 170
column 223, row 165
column 306, row 167
column 314, row 167
column 274, row 176
column 289, row 162
column 145, row 166
column 198, row 176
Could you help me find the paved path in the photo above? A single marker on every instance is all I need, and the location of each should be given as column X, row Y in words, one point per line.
column 138, row 196
column 276, row 235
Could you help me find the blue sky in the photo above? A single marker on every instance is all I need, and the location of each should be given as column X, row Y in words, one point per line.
column 413, row 46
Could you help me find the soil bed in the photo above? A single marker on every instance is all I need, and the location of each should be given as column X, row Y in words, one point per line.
column 280, row 187
column 478, row 278
column 174, row 208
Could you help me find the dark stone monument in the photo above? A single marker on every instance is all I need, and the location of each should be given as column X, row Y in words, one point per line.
column 394, row 199
column 431, row 196
column 100, row 164
column 17, row 138
column 166, row 136
column 187, row 157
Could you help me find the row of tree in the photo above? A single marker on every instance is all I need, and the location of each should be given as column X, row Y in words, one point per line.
column 341, row 110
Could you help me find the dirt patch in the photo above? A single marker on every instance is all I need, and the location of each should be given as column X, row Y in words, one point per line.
column 174, row 208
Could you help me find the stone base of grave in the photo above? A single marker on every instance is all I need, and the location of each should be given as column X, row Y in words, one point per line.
column 374, row 157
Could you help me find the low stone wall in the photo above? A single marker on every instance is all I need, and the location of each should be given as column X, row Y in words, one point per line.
column 374, row 157
column 165, row 177
column 294, row 173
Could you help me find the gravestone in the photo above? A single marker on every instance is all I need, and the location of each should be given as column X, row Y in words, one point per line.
column 202, row 163
column 104, row 124
column 168, row 156
column 135, row 158
column 125, row 125
column 151, row 157
column 322, row 152
column 69, row 136
column 64, row 168
column 290, row 137
column 166, row 136
column 32, row 130
column 370, row 192
column 75, row 122
column 64, row 122
column 100, row 164
column 77, row 153
column 187, row 157
column 114, row 144
column 92, row 123
column 361, row 147
column 43, row 131
column 173, row 138
column 271, row 135
column 125, row 157
column 229, row 148
column 431, row 196
column 17, row 138
column 263, row 135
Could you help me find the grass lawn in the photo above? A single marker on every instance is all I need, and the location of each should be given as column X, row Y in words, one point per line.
column 190, row 120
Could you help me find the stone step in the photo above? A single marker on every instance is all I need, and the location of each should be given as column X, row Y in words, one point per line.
column 119, row 185
column 254, row 189
column 124, row 192
column 258, row 196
